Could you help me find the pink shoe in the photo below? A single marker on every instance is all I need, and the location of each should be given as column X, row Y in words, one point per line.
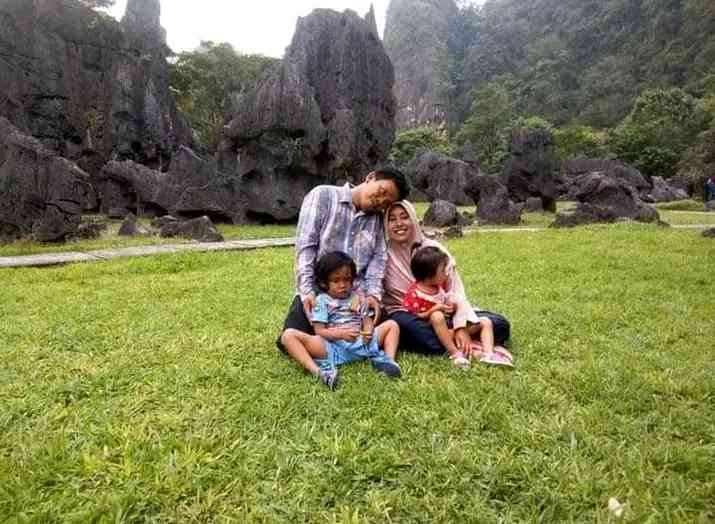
column 459, row 361
column 503, row 351
column 496, row 358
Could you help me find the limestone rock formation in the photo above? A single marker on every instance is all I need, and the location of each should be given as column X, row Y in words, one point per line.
column 440, row 177
column 441, row 214
column 132, row 228
column 416, row 39
column 662, row 191
column 90, row 88
column 578, row 166
column 604, row 199
column 493, row 203
column 532, row 168
column 325, row 115
column 41, row 194
column 192, row 187
column 200, row 229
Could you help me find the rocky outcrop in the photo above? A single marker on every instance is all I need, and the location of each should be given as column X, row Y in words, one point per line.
column 325, row 115
column 192, row 187
column 41, row 194
column 662, row 191
column 417, row 33
column 440, row 177
column 441, row 214
column 578, row 166
column 200, row 229
column 532, row 167
column 603, row 198
column 493, row 203
column 90, row 88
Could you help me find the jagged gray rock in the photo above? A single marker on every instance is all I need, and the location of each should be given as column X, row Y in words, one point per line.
column 493, row 203
column 662, row 191
column 41, row 194
column 132, row 228
column 200, row 229
column 532, row 167
column 90, row 88
column 325, row 115
column 440, row 177
column 441, row 214
column 603, row 198
column 192, row 187
column 416, row 39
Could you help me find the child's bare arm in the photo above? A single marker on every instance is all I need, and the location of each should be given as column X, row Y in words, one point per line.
column 336, row 333
column 425, row 315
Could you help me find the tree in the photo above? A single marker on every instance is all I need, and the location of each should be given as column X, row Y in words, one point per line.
column 209, row 82
column 486, row 128
column 408, row 143
column 663, row 124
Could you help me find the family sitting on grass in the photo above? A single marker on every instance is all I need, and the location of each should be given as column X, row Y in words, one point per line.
column 349, row 276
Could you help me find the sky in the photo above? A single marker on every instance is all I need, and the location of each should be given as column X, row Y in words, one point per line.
column 255, row 26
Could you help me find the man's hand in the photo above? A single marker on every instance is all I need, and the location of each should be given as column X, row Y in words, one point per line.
column 368, row 326
column 462, row 339
column 308, row 305
column 374, row 304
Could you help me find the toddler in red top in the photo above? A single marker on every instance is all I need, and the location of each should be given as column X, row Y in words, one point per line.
column 427, row 299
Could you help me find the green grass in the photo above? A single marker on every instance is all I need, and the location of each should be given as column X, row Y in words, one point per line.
column 681, row 205
column 110, row 240
column 149, row 390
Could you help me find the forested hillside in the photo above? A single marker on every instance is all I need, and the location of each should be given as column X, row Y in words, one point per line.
column 568, row 61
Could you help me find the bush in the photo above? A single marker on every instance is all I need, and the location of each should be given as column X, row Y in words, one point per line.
column 578, row 140
column 408, row 143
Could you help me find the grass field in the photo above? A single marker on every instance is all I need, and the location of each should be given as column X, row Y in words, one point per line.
column 682, row 214
column 150, row 390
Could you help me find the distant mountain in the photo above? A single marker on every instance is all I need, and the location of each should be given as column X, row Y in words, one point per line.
column 565, row 60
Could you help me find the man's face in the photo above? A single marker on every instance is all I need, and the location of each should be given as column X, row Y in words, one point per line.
column 378, row 195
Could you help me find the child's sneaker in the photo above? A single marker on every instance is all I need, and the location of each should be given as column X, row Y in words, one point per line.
column 384, row 364
column 460, row 361
column 330, row 378
column 496, row 358
column 503, row 351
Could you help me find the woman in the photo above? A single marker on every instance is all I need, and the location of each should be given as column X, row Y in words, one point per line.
column 403, row 233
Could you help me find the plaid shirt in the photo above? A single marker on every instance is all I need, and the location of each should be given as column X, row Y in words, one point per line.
column 329, row 222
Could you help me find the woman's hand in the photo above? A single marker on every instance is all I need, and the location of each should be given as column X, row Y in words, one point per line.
column 449, row 308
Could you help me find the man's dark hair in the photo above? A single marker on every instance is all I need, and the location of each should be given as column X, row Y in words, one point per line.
column 425, row 262
column 329, row 263
column 391, row 173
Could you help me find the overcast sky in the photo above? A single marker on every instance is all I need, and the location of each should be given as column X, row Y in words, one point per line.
column 260, row 26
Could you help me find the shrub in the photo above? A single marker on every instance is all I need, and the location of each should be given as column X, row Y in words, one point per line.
column 408, row 143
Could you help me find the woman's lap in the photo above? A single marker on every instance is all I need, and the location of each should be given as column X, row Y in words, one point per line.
column 417, row 336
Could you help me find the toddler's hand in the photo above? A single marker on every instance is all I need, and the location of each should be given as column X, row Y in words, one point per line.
column 350, row 334
column 449, row 308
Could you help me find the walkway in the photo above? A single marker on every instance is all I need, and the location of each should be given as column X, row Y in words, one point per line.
column 56, row 259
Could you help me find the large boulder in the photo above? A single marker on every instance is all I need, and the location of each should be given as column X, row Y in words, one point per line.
column 89, row 87
column 578, row 166
column 441, row 214
column 662, row 191
column 325, row 115
column 603, row 198
column 440, row 177
column 41, row 194
column 192, row 187
column 532, row 167
column 492, row 199
column 200, row 229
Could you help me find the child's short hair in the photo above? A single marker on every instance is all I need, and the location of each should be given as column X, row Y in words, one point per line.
column 331, row 262
column 426, row 261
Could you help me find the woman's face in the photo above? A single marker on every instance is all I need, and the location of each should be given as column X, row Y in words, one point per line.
column 399, row 225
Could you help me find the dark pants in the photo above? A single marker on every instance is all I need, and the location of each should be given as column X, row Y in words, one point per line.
column 295, row 319
column 417, row 336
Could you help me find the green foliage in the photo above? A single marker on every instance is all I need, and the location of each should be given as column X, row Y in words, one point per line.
column 659, row 129
column 150, row 390
column 407, row 143
column 209, row 82
column 488, row 125
column 575, row 140
column 533, row 122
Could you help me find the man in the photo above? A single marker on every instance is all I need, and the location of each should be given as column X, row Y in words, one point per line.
column 347, row 219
